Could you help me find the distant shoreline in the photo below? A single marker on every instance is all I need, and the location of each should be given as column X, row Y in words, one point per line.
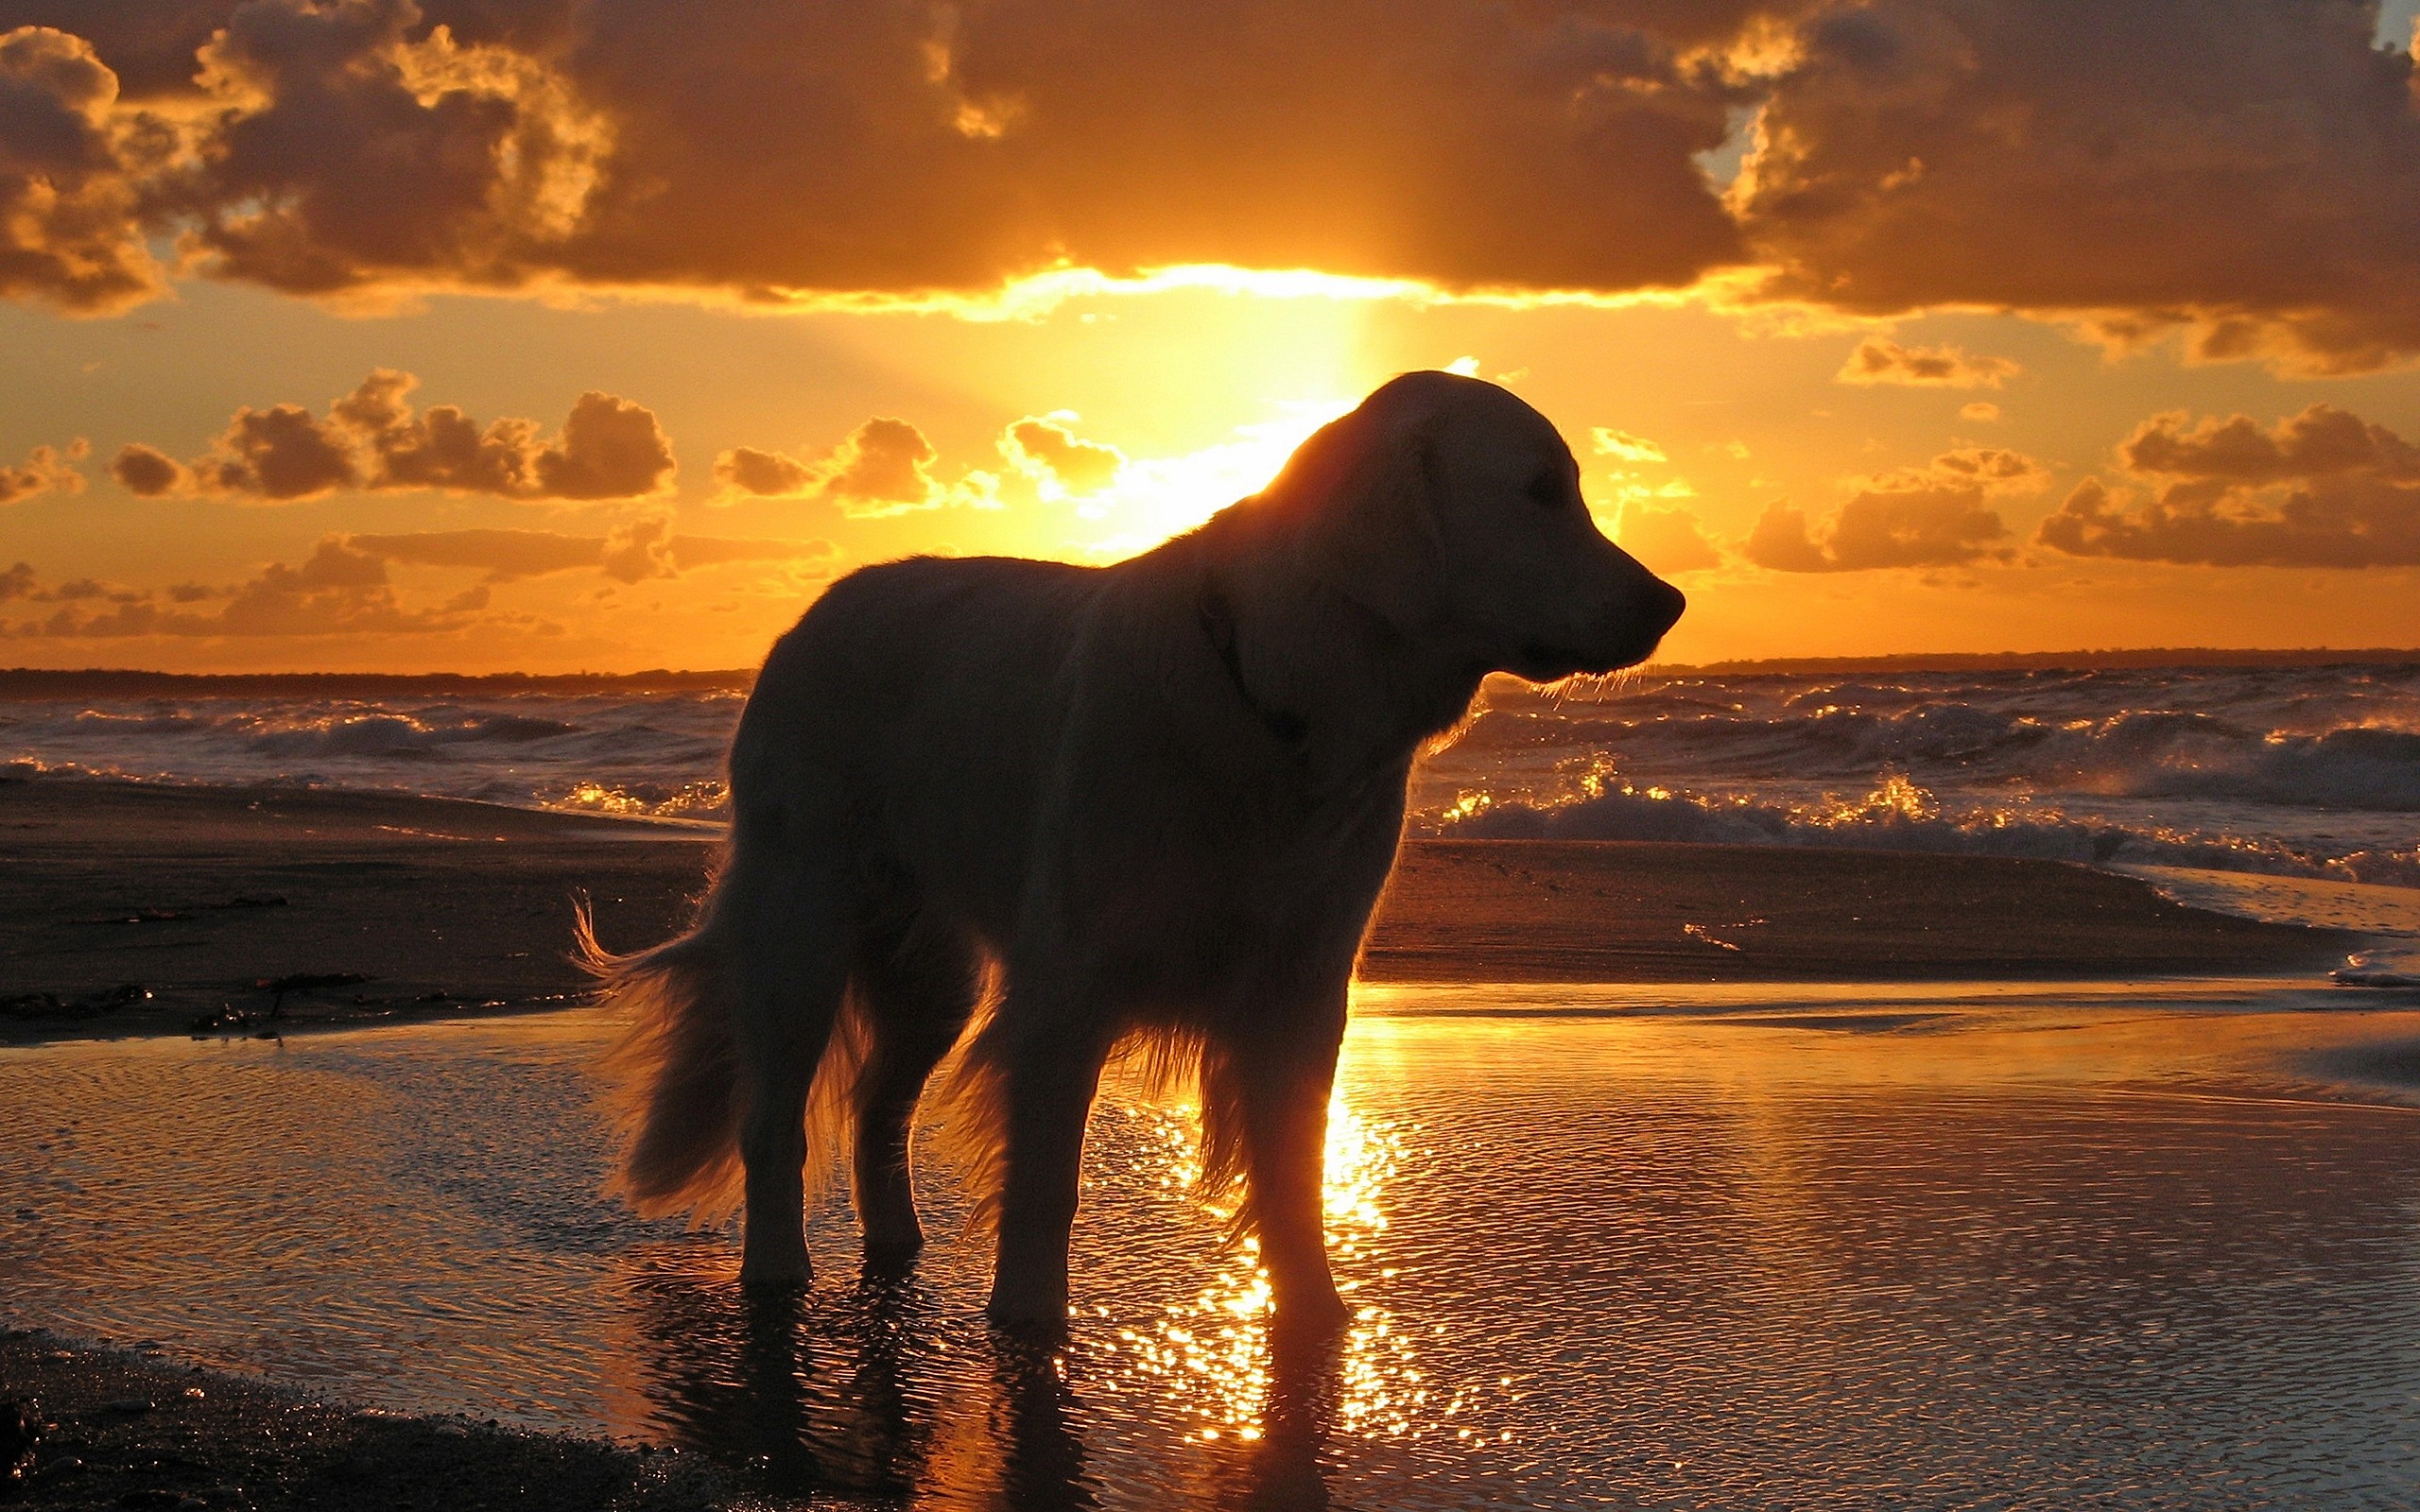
column 29, row 683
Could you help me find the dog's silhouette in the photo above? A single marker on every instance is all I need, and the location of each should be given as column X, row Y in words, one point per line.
column 1158, row 799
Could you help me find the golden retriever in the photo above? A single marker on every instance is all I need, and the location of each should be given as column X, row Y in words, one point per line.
column 1158, row 799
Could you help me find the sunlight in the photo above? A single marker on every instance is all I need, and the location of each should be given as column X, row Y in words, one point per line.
column 1155, row 498
column 1211, row 1355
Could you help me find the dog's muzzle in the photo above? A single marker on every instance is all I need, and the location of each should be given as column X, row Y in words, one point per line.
column 1630, row 636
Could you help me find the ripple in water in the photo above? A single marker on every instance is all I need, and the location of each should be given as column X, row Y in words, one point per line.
column 2065, row 1255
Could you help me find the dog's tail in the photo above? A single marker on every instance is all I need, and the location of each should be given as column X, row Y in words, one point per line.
column 676, row 1089
column 674, row 1074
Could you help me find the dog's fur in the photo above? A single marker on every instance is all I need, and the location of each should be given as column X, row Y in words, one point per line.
column 1158, row 799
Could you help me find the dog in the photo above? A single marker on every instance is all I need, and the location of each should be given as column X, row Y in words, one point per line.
column 1077, row 805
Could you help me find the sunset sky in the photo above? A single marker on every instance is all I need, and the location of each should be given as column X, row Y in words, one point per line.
column 552, row 335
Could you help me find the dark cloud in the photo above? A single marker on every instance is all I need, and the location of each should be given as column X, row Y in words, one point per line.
column 146, row 472
column 69, row 224
column 1044, row 449
column 883, row 466
column 18, row 582
column 902, row 146
column 2322, row 442
column 371, row 439
column 2320, row 488
column 45, row 470
column 764, row 474
column 1877, row 361
column 1936, row 516
column 2246, row 169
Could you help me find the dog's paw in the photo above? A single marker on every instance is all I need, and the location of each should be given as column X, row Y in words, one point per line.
column 1033, row 1321
column 1311, row 1317
column 768, row 1269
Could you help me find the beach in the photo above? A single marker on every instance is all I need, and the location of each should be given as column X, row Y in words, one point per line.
column 130, row 908
column 1776, row 1146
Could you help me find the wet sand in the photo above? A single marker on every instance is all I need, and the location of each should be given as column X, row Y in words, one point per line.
column 131, row 909
column 84, row 1427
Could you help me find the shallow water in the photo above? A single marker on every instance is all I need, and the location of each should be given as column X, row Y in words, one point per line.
column 1795, row 1248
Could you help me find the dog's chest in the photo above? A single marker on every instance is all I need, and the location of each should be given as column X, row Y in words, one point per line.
column 1194, row 906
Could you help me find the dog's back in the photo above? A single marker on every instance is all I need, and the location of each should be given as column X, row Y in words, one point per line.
column 908, row 721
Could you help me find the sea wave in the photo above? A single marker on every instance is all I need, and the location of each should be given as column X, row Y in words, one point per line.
column 2306, row 770
column 1899, row 816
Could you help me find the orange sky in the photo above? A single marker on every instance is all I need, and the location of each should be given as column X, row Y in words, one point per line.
column 539, row 337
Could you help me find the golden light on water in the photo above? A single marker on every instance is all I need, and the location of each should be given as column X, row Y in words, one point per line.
column 1211, row 1354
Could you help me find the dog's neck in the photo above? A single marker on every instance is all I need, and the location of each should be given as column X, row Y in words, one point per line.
column 1341, row 693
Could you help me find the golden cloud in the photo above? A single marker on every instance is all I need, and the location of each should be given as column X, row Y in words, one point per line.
column 2242, row 172
column 1938, row 515
column 371, row 439
column 1877, row 361
column 2320, row 488
column 45, row 470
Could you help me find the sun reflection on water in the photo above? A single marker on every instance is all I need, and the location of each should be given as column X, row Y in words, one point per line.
column 1211, row 1355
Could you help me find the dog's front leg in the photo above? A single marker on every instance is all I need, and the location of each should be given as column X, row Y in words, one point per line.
column 1049, row 1085
column 1282, row 1084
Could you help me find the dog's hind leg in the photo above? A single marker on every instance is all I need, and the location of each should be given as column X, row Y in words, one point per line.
column 916, row 992
column 790, row 929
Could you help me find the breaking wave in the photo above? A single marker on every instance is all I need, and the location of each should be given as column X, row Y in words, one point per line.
column 2303, row 771
column 1898, row 816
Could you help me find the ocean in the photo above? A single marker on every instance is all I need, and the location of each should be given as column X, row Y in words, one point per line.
column 2307, row 771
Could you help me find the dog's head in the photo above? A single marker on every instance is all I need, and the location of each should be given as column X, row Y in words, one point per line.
column 1452, row 510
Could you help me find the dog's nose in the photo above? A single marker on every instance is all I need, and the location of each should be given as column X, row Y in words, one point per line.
column 1664, row 604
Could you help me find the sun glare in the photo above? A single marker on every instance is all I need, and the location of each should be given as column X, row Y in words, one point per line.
column 1155, row 498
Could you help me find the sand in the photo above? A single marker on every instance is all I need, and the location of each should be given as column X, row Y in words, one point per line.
column 129, row 909
column 82, row 1427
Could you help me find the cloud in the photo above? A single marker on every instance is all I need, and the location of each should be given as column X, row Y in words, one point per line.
column 45, row 469
column 17, row 582
column 1982, row 410
column 371, row 439
column 1935, row 516
column 2320, row 488
column 337, row 591
column 70, row 232
column 146, row 472
column 764, row 474
column 903, row 148
column 1624, row 446
column 1668, row 540
column 2322, row 442
column 1042, row 448
column 643, row 549
column 2242, row 171
column 884, row 467
column 1877, row 361
column 503, row 555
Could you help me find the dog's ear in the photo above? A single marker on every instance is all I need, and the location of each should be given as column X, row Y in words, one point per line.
column 1359, row 500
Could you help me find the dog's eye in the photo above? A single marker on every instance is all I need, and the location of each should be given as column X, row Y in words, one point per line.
column 1551, row 489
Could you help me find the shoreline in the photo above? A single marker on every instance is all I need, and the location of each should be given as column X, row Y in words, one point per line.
column 113, row 1427
column 132, row 908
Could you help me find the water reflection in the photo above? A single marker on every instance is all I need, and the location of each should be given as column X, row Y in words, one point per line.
column 883, row 1391
column 1806, row 1254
